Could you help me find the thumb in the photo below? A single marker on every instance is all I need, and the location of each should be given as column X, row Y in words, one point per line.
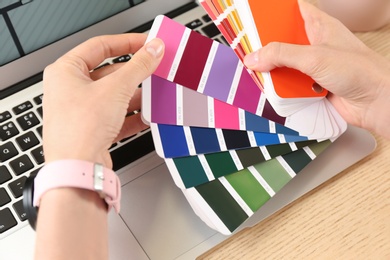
column 321, row 28
column 143, row 63
column 315, row 21
column 276, row 54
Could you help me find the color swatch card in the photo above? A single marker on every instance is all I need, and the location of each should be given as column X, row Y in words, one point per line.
column 169, row 103
column 250, row 24
column 176, row 141
column 227, row 202
column 190, row 171
column 205, row 66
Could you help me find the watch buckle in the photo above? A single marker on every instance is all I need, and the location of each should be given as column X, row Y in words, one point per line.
column 98, row 179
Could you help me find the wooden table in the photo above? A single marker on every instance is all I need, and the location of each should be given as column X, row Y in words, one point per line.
column 341, row 219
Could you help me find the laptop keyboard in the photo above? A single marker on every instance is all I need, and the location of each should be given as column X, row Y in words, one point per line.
column 21, row 152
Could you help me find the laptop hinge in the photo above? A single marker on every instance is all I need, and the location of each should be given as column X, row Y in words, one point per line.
column 21, row 85
column 172, row 14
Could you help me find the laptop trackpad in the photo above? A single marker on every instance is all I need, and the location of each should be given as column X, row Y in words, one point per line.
column 165, row 225
column 160, row 217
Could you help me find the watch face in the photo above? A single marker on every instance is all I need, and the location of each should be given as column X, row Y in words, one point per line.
column 28, row 195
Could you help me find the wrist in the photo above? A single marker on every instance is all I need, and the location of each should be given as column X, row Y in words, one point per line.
column 74, row 146
column 78, row 174
column 58, row 152
column 71, row 215
column 76, row 197
column 90, row 178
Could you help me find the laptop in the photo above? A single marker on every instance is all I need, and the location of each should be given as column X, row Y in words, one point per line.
column 156, row 221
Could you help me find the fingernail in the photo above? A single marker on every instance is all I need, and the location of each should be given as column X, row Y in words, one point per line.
column 155, row 47
column 251, row 59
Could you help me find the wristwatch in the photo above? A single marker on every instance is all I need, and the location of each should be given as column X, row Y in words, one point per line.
column 70, row 173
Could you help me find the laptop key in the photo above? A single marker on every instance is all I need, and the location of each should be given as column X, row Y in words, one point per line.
column 206, row 18
column 38, row 99
column 123, row 58
column 224, row 41
column 211, row 30
column 37, row 154
column 7, row 151
column 22, row 107
column 39, row 130
column 5, row 175
column 125, row 154
column 5, row 116
column 7, row 131
column 27, row 140
column 28, row 120
column 18, row 207
column 194, row 24
column 40, row 111
column 7, row 220
column 4, row 197
column 21, row 164
column 16, row 186
column 35, row 172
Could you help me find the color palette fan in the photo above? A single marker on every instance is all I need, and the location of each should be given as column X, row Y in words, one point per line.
column 224, row 143
column 247, row 25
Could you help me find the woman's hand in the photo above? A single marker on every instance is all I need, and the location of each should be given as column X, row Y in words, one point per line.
column 357, row 77
column 84, row 110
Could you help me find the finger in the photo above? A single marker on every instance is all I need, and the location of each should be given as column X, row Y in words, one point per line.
column 132, row 125
column 315, row 21
column 318, row 24
column 143, row 63
column 322, row 28
column 318, row 62
column 315, row 61
column 135, row 103
column 275, row 54
column 105, row 70
column 94, row 51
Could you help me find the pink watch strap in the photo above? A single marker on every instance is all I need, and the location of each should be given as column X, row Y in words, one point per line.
column 79, row 174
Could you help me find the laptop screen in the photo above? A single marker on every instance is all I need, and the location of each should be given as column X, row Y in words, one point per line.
column 34, row 33
column 31, row 24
